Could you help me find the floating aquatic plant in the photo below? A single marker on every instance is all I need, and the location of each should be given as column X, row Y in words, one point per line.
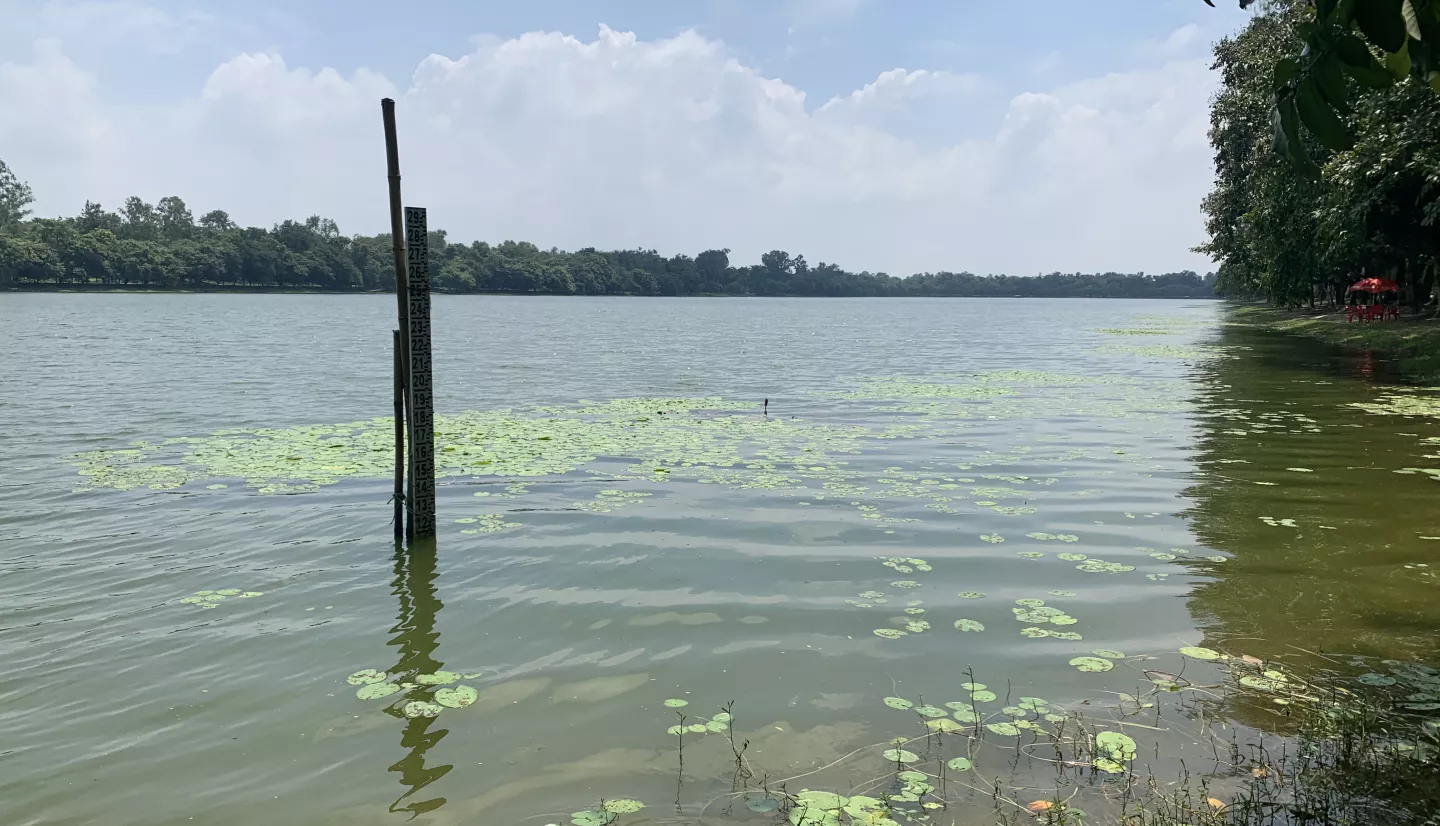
column 457, row 697
column 1201, row 653
column 1092, row 665
column 969, row 625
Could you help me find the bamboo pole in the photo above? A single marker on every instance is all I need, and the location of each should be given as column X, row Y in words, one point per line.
column 398, row 369
column 402, row 300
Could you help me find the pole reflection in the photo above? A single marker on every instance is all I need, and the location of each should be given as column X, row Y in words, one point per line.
column 416, row 639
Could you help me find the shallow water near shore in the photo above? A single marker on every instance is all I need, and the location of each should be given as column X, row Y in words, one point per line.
column 196, row 560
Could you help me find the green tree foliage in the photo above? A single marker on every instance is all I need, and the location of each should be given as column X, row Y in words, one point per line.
column 15, row 198
column 162, row 246
column 1374, row 43
column 1371, row 207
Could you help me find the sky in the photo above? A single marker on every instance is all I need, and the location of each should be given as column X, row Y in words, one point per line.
column 893, row 136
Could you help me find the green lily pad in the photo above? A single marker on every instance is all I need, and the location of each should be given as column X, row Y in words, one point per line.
column 821, row 800
column 931, row 711
column 1034, row 633
column 968, row 625
column 1063, row 619
column 1004, row 729
column 983, row 696
column 1069, row 556
column 971, row 595
column 1062, row 593
column 993, row 538
column 899, row 756
column 944, row 726
column 420, row 708
column 1116, row 745
column 1108, row 766
column 1092, row 665
column 376, row 691
column 675, row 703
column 723, row 717
column 889, row 633
column 458, row 697
column 899, row 703
column 592, row 817
column 1065, row 635
column 368, row 676
column 1030, row 603
column 1108, row 654
column 1201, row 653
column 1378, row 680
column 1260, row 683
column 959, row 764
column 974, row 686
column 964, row 713
column 438, row 678
column 622, row 806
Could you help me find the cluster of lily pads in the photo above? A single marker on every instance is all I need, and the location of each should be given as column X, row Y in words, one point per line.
column 374, row 684
column 485, row 523
column 607, row 812
column 212, row 598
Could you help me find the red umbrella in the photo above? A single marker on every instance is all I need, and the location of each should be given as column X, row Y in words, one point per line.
column 1374, row 285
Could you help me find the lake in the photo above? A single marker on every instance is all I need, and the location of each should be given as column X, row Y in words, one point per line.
column 197, row 569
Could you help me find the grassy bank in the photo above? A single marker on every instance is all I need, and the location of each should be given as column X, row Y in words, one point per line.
column 1413, row 343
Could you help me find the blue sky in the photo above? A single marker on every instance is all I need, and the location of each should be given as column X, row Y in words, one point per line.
column 1069, row 135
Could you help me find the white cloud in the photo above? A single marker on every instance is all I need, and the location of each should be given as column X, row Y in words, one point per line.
column 669, row 144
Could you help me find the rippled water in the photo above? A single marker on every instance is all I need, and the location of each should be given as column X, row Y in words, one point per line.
column 895, row 428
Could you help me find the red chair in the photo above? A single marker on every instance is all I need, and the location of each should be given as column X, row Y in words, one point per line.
column 1353, row 311
column 1393, row 311
column 1375, row 312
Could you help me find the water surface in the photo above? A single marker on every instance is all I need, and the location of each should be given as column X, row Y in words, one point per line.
column 628, row 552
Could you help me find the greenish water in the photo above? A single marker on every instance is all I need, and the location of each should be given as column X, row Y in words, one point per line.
column 623, row 526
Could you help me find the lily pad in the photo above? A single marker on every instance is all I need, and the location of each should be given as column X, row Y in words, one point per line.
column 438, row 678
column 944, row 726
column 1034, row 633
column 899, row 703
column 971, row 595
column 420, row 708
column 1065, row 635
column 821, row 800
column 1201, row 653
column 376, row 691
column 1108, row 654
column 623, row 806
column 1030, row 603
column 983, row 696
column 1004, row 729
column 889, row 633
column 1378, row 680
column 974, row 686
column 964, row 713
column 1092, row 665
column 1062, row 593
column 676, row 703
column 931, row 711
column 899, row 756
column 1072, row 557
column 968, row 625
column 458, row 697
column 592, row 817
column 368, row 676
column 959, row 764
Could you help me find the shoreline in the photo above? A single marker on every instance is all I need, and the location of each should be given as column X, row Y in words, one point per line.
column 1412, row 343
column 222, row 290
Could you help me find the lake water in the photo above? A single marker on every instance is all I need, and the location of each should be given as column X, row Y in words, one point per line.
column 623, row 524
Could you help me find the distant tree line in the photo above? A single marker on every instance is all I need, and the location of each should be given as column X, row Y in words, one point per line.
column 163, row 246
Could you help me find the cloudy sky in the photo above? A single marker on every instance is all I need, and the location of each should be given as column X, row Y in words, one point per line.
column 889, row 135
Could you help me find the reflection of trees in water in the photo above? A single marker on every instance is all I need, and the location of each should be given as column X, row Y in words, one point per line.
column 1289, row 589
column 417, row 639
